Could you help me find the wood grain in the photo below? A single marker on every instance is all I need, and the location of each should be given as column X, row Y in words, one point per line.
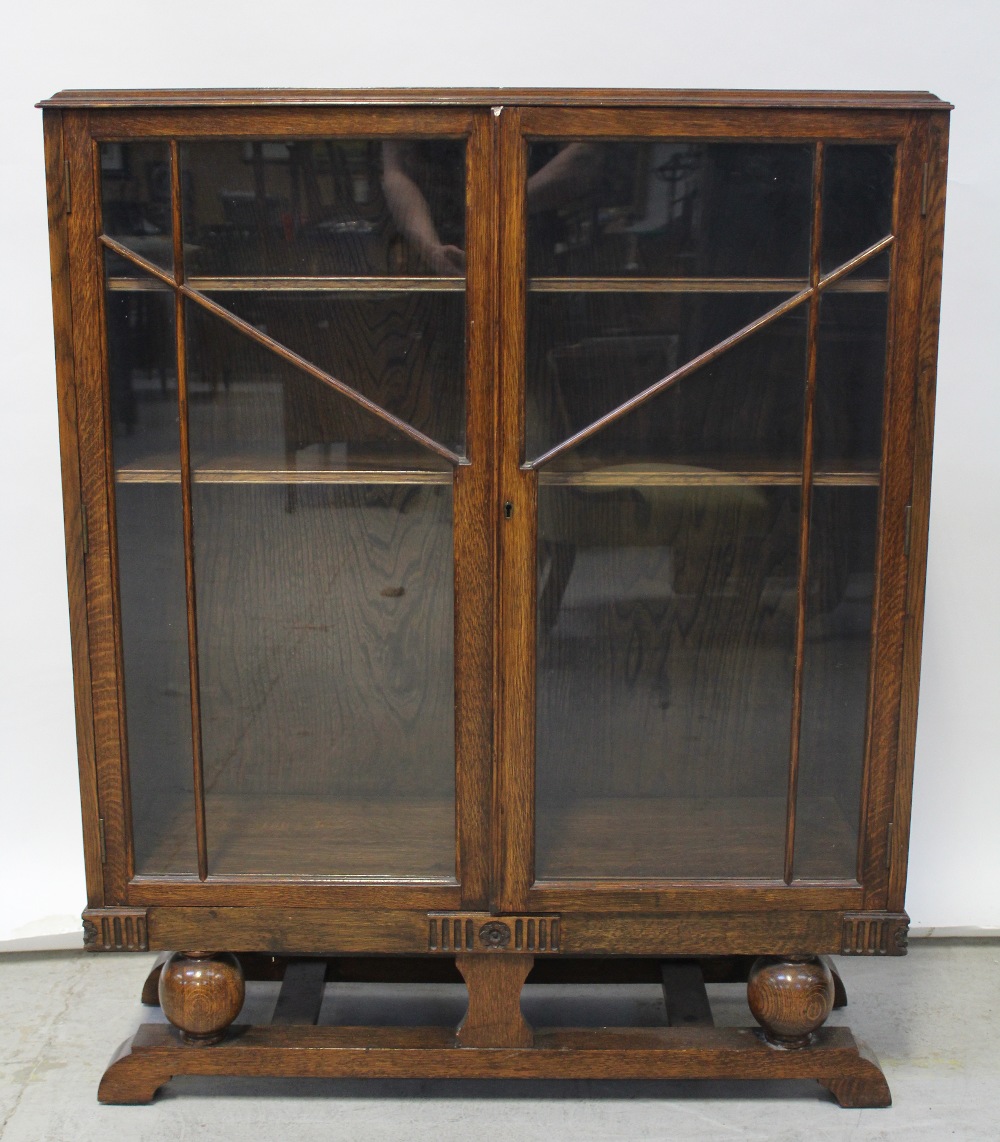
column 676, row 837
column 56, row 171
column 410, row 615
column 475, row 542
column 926, row 383
column 889, row 620
column 494, row 1017
column 489, row 97
column 850, row 1072
column 90, row 368
column 805, row 506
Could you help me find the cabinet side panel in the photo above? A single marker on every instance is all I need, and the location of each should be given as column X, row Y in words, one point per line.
column 930, row 304
column 59, row 206
column 891, row 566
column 89, row 358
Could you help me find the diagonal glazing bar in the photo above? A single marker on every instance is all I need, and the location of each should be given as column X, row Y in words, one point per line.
column 187, row 515
column 710, row 355
column 805, row 511
column 287, row 354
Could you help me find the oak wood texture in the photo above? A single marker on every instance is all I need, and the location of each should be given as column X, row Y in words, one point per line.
column 668, row 926
column 936, row 157
column 201, row 993
column 494, row 1017
column 290, row 859
column 154, row 1056
column 790, row 998
column 73, row 511
column 492, row 96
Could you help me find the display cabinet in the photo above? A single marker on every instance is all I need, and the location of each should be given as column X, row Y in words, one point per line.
column 496, row 527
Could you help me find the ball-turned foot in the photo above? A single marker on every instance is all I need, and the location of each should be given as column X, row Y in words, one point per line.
column 790, row 997
column 201, row 993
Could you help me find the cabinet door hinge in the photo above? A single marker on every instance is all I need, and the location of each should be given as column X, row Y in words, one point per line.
column 85, row 529
column 907, row 512
column 104, row 847
column 66, row 185
column 923, row 191
column 888, row 845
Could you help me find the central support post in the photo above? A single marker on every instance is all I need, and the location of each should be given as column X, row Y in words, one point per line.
column 494, row 1017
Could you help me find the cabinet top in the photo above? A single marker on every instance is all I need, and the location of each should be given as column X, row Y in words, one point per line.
column 492, row 96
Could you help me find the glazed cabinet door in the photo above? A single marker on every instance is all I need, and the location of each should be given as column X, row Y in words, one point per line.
column 291, row 581
column 696, row 456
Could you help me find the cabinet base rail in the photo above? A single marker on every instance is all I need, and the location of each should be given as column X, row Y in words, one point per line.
column 494, row 1040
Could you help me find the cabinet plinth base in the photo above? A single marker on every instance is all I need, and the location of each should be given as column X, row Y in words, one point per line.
column 156, row 1054
column 494, row 1040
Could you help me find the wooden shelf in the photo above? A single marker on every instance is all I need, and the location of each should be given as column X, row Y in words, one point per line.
column 651, row 473
column 690, row 838
column 698, row 285
column 415, row 284
column 696, row 838
column 244, row 284
column 264, row 470
column 311, row 835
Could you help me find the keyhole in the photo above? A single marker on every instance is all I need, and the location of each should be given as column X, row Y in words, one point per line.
column 508, row 510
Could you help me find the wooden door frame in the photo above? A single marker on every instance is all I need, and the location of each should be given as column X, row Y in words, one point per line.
column 886, row 781
column 88, row 466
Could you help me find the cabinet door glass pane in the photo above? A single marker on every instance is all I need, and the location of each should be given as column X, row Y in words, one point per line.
column 842, row 540
column 589, row 353
column 135, row 204
column 670, row 209
column 843, row 535
column 857, row 204
column 664, row 679
column 327, row 207
column 325, row 624
column 403, row 350
column 667, row 558
column 145, row 440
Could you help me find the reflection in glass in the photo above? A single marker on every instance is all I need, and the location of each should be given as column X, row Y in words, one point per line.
column 849, row 380
column 668, row 209
column 328, row 207
column 250, row 408
column 327, row 678
column 857, row 204
column 325, row 623
column 404, row 351
column 135, row 203
column 843, row 533
column 666, row 623
column 152, row 600
column 589, row 353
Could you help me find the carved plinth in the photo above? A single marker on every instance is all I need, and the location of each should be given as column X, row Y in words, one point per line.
column 790, row 997
column 201, row 993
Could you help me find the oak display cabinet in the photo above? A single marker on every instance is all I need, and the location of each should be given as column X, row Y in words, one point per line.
column 496, row 527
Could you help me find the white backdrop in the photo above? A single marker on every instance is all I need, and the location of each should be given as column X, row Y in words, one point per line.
column 950, row 49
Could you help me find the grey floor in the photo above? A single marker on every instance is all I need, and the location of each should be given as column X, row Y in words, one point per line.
column 932, row 1019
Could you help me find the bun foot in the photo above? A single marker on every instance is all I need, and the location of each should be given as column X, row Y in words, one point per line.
column 790, row 997
column 201, row 993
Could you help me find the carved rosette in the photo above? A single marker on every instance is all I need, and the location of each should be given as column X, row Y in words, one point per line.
column 495, row 934
column 464, row 932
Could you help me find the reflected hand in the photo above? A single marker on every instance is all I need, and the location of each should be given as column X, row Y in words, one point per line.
column 446, row 260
